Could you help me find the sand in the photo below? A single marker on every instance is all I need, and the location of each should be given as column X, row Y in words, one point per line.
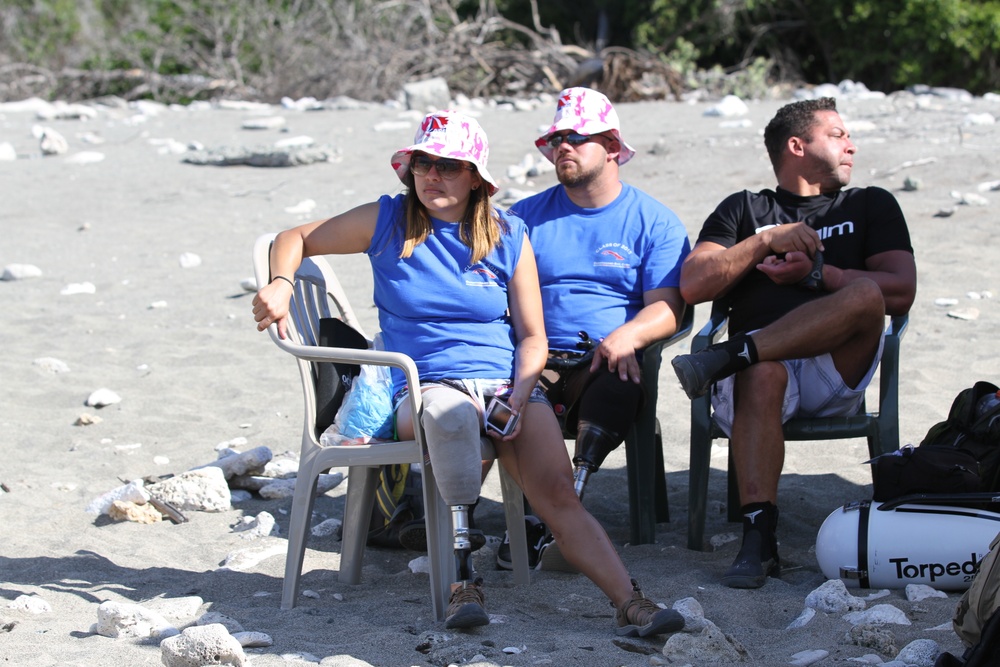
column 179, row 347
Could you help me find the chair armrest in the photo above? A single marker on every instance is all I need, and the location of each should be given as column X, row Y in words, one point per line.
column 714, row 329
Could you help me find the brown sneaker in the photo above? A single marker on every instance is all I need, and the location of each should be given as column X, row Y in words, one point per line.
column 641, row 617
column 467, row 605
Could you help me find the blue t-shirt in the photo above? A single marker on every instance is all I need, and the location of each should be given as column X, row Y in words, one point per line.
column 450, row 316
column 594, row 264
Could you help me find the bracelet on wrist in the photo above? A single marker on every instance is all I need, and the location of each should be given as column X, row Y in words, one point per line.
column 287, row 280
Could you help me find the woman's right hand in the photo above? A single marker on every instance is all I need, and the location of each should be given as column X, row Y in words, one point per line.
column 270, row 305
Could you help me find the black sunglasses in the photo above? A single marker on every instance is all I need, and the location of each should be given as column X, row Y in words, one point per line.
column 447, row 169
column 573, row 139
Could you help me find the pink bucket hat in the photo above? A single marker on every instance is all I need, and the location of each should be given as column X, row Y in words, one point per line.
column 585, row 111
column 448, row 134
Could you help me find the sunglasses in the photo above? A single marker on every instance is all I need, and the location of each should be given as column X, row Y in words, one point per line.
column 573, row 139
column 420, row 165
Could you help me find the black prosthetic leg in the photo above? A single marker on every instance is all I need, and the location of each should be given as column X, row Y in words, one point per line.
column 593, row 444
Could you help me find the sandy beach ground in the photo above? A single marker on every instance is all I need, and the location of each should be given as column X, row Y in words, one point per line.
column 179, row 347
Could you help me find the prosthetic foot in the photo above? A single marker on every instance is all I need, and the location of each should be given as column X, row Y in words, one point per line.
column 593, row 444
column 758, row 557
column 698, row 371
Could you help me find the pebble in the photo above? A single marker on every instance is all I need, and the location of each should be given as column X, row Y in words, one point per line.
column 85, row 157
column 102, row 397
column 31, row 604
column 7, row 152
column 880, row 613
column 20, row 272
column 964, row 314
column 78, row 288
column 51, row 365
column 803, row 658
column 189, row 260
column 265, row 123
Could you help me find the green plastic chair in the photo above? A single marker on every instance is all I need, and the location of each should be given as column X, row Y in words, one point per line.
column 881, row 428
column 647, row 482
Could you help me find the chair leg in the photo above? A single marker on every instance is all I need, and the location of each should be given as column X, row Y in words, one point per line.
column 440, row 552
column 298, row 528
column 700, row 462
column 513, row 507
column 662, row 501
column 362, row 482
column 640, row 459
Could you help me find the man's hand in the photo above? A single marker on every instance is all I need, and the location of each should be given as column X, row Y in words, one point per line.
column 618, row 351
column 793, row 237
column 788, row 270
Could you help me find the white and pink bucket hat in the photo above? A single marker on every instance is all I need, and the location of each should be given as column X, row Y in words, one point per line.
column 448, row 134
column 585, row 111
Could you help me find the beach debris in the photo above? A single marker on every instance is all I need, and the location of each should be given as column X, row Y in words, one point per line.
column 189, row 260
column 832, row 598
column 102, row 397
column 803, row 658
column 51, row 365
column 202, row 645
column 709, row 646
column 201, row 489
column 874, row 636
column 252, row 527
column 133, row 621
column 975, row 296
column 20, row 272
column 264, row 123
column 230, row 624
column 912, row 184
column 78, row 288
column 122, row 510
column 327, row 528
column 964, row 314
column 918, row 592
column 253, row 639
column 168, row 510
column 50, row 141
column 266, row 156
column 969, row 198
column 237, row 464
column 880, row 613
column 156, row 305
column 135, row 491
column 87, row 419
column 802, row 620
column 7, row 152
column 32, row 604
column 242, row 560
column 248, row 284
column 945, row 212
column 946, row 301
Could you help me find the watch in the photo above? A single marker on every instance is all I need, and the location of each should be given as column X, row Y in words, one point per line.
column 814, row 279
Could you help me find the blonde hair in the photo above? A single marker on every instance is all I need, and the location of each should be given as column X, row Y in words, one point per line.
column 480, row 228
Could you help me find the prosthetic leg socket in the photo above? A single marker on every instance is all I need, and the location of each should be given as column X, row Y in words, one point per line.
column 593, row 444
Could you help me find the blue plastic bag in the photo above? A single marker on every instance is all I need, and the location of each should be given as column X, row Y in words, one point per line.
column 366, row 413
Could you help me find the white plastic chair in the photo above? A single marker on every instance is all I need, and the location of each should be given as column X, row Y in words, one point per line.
column 317, row 295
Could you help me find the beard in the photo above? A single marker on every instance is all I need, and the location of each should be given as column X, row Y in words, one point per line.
column 572, row 175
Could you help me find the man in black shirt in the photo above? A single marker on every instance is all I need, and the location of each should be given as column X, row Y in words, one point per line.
column 809, row 271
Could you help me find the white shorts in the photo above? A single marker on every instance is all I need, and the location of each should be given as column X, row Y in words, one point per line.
column 815, row 389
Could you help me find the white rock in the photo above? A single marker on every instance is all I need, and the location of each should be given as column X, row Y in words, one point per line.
column 85, row 157
column 242, row 560
column 832, row 598
column 303, row 207
column 265, row 123
column 918, row 592
column 285, row 488
column 251, row 462
column 121, row 619
column 283, row 468
column 31, row 604
column 946, row 301
column 803, row 658
column 964, row 314
column 728, row 107
column 230, row 624
column 78, row 288
column 50, row 141
column 21, row 271
column 248, row 284
column 984, row 118
column 803, row 619
column 202, row 489
column 253, row 639
column 262, row 525
column 51, row 365
column 294, row 142
column 237, row 496
column 326, row 528
column 157, row 305
column 202, row 645
column 60, row 110
column 176, row 609
column 973, row 199
column 102, row 397
column 133, row 492
column 693, row 613
column 189, row 260
column 312, row 595
column 420, row 565
column 880, row 613
column 708, row 647
column 919, row 653
column 7, row 152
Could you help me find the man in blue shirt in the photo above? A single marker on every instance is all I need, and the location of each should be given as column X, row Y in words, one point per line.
column 609, row 259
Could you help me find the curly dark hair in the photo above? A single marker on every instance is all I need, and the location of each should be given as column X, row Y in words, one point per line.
column 793, row 120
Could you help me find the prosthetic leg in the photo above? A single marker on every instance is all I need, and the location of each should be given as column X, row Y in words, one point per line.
column 451, row 426
column 593, row 444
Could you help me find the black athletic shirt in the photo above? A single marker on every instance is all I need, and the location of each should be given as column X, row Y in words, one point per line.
column 854, row 224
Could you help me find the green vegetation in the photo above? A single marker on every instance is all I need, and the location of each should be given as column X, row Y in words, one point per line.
column 265, row 49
